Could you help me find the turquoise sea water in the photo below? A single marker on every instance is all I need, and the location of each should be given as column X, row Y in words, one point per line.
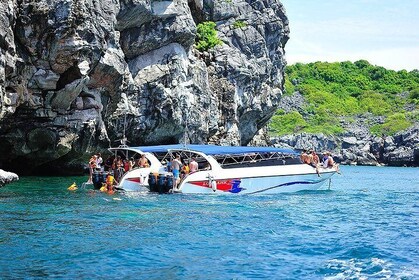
column 365, row 227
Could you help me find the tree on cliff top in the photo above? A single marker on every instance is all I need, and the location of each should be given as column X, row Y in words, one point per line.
column 344, row 90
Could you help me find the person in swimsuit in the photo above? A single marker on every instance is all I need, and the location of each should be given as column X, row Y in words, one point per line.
column 176, row 166
column 193, row 166
column 304, row 157
column 143, row 161
column 314, row 161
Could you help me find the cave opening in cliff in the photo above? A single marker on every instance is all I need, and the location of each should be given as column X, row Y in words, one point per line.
column 70, row 75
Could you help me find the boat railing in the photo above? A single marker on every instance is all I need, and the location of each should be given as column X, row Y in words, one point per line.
column 256, row 159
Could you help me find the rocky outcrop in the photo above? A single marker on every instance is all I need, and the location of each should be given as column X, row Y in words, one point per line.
column 356, row 146
column 72, row 73
column 400, row 150
column 7, row 177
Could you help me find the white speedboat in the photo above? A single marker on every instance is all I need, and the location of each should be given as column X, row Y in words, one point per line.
column 222, row 169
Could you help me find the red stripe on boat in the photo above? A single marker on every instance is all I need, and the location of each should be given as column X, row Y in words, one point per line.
column 135, row 180
column 222, row 185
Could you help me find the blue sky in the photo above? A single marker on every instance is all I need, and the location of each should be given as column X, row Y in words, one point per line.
column 384, row 32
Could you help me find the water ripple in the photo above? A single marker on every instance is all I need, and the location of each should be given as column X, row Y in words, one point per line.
column 365, row 227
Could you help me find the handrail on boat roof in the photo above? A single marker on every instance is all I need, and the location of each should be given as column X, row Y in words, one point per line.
column 210, row 149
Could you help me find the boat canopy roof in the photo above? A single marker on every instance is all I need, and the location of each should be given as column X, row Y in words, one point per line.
column 212, row 149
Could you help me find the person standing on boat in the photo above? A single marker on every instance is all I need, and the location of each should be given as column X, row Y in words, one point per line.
column 126, row 165
column 193, row 166
column 109, row 163
column 118, row 168
column 185, row 169
column 143, row 161
column 99, row 161
column 176, row 166
column 92, row 167
column 131, row 163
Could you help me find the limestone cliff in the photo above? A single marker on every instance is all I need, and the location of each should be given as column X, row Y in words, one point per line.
column 72, row 72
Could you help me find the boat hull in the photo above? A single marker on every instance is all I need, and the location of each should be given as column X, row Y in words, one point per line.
column 265, row 185
column 135, row 180
column 266, row 180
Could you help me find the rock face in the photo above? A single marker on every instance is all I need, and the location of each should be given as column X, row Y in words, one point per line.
column 356, row 146
column 7, row 177
column 400, row 150
column 73, row 72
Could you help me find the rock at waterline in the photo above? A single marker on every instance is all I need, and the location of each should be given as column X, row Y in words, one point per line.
column 7, row 177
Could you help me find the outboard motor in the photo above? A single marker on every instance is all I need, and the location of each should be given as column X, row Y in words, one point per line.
column 161, row 184
column 152, row 182
column 98, row 178
column 169, row 182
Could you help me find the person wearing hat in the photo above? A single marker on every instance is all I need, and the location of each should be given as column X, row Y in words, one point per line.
column 110, row 183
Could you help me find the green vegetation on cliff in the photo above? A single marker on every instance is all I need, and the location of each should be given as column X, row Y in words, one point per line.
column 239, row 24
column 206, row 36
column 344, row 90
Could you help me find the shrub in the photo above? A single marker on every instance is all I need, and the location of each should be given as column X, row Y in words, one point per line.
column 414, row 95
column 393, row 124
column 374, row 103
column 288, row 87
column 287, row 123
column 207, row 36
column 239, row 24
column 413, row 116
column 322, row 121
